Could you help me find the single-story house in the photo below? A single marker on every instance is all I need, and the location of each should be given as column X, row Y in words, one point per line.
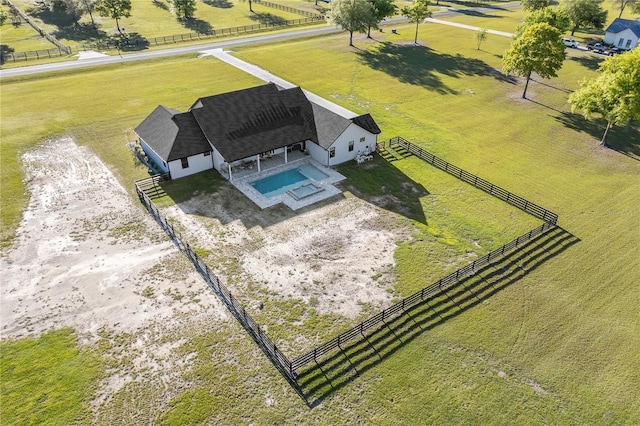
column 230, row 129
column 623, row 33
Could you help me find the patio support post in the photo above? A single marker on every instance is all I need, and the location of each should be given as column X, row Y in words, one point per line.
column 230, row 177
column 258, row 161
column 285, row 155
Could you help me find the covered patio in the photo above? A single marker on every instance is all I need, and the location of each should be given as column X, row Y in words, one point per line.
column 262, row 163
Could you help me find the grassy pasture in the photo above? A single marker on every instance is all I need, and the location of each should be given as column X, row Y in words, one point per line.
column 557, row 344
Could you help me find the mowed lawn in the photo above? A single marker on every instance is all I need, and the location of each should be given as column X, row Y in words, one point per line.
column 556, row 346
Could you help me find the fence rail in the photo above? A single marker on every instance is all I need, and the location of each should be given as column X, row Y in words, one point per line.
column 476, row 181
column 290, row 368
column 215, row 33
column 277, row 357
column 32, row 55
column 286, row 8
column 36, row 27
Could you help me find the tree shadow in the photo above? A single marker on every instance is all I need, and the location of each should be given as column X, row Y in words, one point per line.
column 221, row 4
column 161, row 4
column 419, row 65
column 475, row 13
column 197, row 25
column 268, row 19
column 589, row 62
column 331, row 374
column 82, row 32
column 131, row 42
column 624, row 139
column 58, row 18
column 5, row 50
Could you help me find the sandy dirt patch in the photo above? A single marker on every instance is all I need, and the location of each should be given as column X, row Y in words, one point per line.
column 86, row 256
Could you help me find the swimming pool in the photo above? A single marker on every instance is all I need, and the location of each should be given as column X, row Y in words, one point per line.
column 280, row 183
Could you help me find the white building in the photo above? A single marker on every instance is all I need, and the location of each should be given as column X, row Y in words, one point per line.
column 233, row 128
column 623, row 33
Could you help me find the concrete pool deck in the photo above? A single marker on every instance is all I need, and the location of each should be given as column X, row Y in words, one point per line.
column 326, row 186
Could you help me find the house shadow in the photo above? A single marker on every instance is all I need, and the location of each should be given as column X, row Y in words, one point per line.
column 420, row 65
column 221, row 4
column 268, row 19
column 624, row 139
column 197, row 25
column 207, row 194
column 382, row 184
column 327, row 376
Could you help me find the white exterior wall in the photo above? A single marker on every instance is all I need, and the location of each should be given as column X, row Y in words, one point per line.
column 153, row 156
column 317, row 152
column 614, row 38
column 197, row 163
column 352, row 133
column 218, row 159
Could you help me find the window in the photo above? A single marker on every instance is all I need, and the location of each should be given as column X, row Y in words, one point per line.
column 620, row 42
column 185, row 163
column 362, row 139
column 332, row 152
column 628, row 45
column 350, row 146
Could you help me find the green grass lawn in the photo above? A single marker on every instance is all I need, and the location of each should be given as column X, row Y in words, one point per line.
column 47, row 380
column 554, row 344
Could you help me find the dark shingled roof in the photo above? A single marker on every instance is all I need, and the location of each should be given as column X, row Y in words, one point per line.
column 619, row 25
column 366, row 122
column 245, row 122
column 172, row 134
column 255, row 120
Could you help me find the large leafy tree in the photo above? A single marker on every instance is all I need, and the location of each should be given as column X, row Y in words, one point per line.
column 553, row 16
column 382, row 9
column 584, row 13
column 614, row 94
column 538, row 49
column 532, row 5
column 352, row 16
column 183, row 9
column 115, row 9
column 417, row 13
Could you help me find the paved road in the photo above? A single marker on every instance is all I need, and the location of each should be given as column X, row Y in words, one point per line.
column 69, row 65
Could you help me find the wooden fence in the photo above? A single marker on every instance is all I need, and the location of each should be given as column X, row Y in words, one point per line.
column 32, row 55
column 276, row 356
column 286, row 8
column 476, row 181
column 36, row 27
column 290, row 368
column 142, row 42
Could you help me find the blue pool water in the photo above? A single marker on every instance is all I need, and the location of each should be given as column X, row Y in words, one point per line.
column 279, row 183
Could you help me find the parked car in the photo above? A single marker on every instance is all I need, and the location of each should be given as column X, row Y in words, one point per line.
column 569, row 42
column 597, row 48
column 615, row 51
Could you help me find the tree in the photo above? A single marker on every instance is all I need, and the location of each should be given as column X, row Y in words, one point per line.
column 532, row 5
column 183, row 9
column 584, row 13
column 352, row 16
column 480, row 35
column 114, row 9
column 89, row 6
column 382, row 9
column 417, row 13
column 614, row 94
column 555, row 17
column 74, row 9
column 539, row 49
column 3, row 16
column 251, row 5
column 622, row 5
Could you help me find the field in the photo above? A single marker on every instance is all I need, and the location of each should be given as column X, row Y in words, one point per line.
column 555, row 345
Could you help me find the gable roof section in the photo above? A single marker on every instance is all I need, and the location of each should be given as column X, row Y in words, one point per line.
column 329, row 125
column 619, row 25
column 172, row 134
column 367, row 122
column 255, row 120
